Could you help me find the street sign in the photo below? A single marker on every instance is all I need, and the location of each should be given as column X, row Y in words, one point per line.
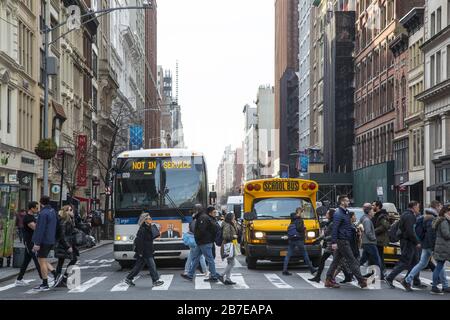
column 56, row 189
column 379, row 191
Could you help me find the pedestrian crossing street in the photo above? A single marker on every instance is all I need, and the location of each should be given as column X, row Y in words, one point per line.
column 110, row 282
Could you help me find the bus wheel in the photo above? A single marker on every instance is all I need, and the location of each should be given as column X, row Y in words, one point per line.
column 125, row 264
column 316, row 261
column 251, row 262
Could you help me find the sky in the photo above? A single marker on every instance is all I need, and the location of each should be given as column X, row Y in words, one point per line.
column 225, row 51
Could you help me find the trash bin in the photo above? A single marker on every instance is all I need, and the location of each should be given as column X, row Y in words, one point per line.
column 18, row 256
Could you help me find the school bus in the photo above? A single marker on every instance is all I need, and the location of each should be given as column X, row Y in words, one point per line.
column 268, row 204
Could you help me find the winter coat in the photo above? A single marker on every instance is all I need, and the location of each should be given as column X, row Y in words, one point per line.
column 228, row 232
column 406, row 226
column 442, row 248
column 65, row 239
column 144, row 242
column 430, row 234
column 205, row 229
column 45, row 232
column 299, row 226
column 342, row 228
column 354, row 241
column 368, row 236
column 382, row 225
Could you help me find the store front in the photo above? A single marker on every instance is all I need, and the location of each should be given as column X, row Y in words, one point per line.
column 9, row 200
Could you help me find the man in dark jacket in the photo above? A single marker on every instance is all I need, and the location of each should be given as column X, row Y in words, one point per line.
column 297, row 241
column 408, row 242
column 44, row 239
column 382, row 225
column 341, row 236
column 427, row 241
column 205, row 233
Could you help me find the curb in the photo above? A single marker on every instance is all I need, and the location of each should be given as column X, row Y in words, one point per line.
column 12, row 276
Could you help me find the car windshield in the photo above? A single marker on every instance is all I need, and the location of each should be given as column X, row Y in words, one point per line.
column 359, row 212
column 283, row 207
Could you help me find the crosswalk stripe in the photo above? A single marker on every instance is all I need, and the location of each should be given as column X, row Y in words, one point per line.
column 167, row 278
column 122, row 286
column 277, row 281
column 88, row 284
column 13, row 285
column 305, row 277
column 200, row 284
column 240, row 282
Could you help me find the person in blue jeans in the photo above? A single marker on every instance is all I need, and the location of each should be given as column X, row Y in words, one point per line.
column 205, row 233
column 297, row 240
column 442, row 248
column 427, row 241
column 369, row 239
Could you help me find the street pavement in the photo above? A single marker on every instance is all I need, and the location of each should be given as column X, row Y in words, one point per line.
column 101, row 278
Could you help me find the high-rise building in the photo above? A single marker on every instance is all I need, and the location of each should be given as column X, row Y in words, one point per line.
column 375, row 112
column 266, row 131
column 152, row 119
column 436, row 49
column 331, row 105
column 250, row 143
column 286, row 86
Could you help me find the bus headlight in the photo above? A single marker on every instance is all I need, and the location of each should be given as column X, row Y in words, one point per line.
column 311, row 234
column 121, row 238
column 259, row 235
column 124, row 238
column 118, row 238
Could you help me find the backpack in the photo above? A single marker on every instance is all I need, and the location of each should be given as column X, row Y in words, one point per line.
column 419, row 229
column 219, row 236
column 292, row 231
column 394, row 232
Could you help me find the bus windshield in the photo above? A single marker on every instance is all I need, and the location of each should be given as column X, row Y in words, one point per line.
column 282, row 207
column 158, row 183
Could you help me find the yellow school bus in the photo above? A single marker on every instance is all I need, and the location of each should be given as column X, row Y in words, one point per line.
column 268, row 204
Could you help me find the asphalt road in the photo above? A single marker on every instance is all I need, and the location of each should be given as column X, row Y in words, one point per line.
column 101, row 278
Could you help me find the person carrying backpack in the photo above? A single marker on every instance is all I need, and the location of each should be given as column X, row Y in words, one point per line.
column 382, row 225
column 205, row 234
column 65, row 245
column 296, row 238
column 408, row 242
column 427, row 237
column 441, row 226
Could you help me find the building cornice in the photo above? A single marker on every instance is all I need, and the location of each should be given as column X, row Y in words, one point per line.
column 434, row 92
column 441, row 35
column 413, row 20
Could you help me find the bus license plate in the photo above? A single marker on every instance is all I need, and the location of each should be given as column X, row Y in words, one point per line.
column 283, row 253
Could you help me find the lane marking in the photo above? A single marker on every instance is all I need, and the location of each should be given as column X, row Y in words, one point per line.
column 305, row 277
column 87, row 285
column 277, row 281
column 122, row 286
column 167, row 278
column 13, row 285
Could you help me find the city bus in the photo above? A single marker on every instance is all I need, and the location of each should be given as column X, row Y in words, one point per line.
column 166, row 182
column 268, row 204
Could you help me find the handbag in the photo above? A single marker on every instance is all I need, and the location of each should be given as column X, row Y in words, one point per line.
column 189, row 240
column 79, row 237
column 155, row 232
column 227, row 250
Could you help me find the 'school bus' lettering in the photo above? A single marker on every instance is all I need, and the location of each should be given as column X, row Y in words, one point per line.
column 281, row 186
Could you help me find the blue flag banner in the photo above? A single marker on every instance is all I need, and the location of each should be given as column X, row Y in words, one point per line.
column 136, row 137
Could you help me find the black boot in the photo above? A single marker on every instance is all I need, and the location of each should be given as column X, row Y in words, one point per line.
column 315, row 279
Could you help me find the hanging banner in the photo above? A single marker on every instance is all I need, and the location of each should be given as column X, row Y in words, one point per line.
column 81, row 158
column 136, row 137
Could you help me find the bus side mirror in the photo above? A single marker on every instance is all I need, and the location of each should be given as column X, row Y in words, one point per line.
column 237, row 211
column 249, row 216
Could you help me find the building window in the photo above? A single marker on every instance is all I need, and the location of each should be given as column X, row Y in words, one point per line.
column 433, row 24
column 432, row 71
column 94, row 99
column 95, row 64
column 438, row 134
column 438, row 20
column 8, row 110
column 94, row 131
column 448, row 59
column 438, row 67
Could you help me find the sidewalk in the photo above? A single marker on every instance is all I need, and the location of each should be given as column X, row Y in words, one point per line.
column 11, row 273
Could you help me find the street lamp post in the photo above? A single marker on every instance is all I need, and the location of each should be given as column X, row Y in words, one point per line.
column 46, row 31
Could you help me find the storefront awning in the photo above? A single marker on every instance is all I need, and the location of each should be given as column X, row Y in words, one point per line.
column 59, row 111
column 439, row 186
column 410, row 183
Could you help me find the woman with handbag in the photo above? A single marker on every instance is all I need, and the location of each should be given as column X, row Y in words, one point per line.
column 144, row 250
column 189, row 240
column 65, row 247
column 227, row 250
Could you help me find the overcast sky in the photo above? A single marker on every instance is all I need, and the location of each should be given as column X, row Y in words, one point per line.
column 225, row 51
